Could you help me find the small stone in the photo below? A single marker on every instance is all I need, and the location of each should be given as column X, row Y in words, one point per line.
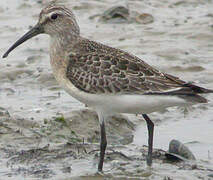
column 4, row 112
column 179, row 149
column 209, row 15
column 121, row 39
column 144, row 18
column 210, row 175
column 116, row 14
column 39, row 1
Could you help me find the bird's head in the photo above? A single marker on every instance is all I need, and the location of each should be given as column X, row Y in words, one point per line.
column 54, row 20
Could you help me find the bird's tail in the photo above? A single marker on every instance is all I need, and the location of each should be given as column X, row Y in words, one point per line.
column 198, row 89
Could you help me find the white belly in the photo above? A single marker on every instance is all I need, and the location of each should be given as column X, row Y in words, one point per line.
column 122, row 103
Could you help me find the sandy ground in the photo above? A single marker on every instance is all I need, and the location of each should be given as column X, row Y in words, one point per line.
column 42, row 128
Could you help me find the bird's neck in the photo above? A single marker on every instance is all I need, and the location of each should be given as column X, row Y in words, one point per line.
column 63, row 41
column 60, row 46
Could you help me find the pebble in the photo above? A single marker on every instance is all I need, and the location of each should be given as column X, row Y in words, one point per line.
column 178, row 150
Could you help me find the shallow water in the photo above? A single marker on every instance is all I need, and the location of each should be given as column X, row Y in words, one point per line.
column 179, row 42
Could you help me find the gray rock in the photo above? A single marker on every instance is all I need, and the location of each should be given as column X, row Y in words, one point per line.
column 144, row 18
column 116, row 14
column 179, row 151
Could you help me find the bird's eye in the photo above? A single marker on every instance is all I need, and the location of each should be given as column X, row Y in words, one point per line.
column 54, row 16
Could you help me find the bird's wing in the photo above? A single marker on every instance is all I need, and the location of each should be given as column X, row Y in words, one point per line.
column 99, row 69
column 106, row 73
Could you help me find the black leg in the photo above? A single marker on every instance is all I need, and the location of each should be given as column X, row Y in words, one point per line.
column 150, row 126
column 103, row 145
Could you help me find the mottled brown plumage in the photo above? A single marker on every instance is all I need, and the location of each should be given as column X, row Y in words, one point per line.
column 99, row 69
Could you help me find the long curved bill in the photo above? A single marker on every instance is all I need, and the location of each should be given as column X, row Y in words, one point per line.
column 31, row 33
